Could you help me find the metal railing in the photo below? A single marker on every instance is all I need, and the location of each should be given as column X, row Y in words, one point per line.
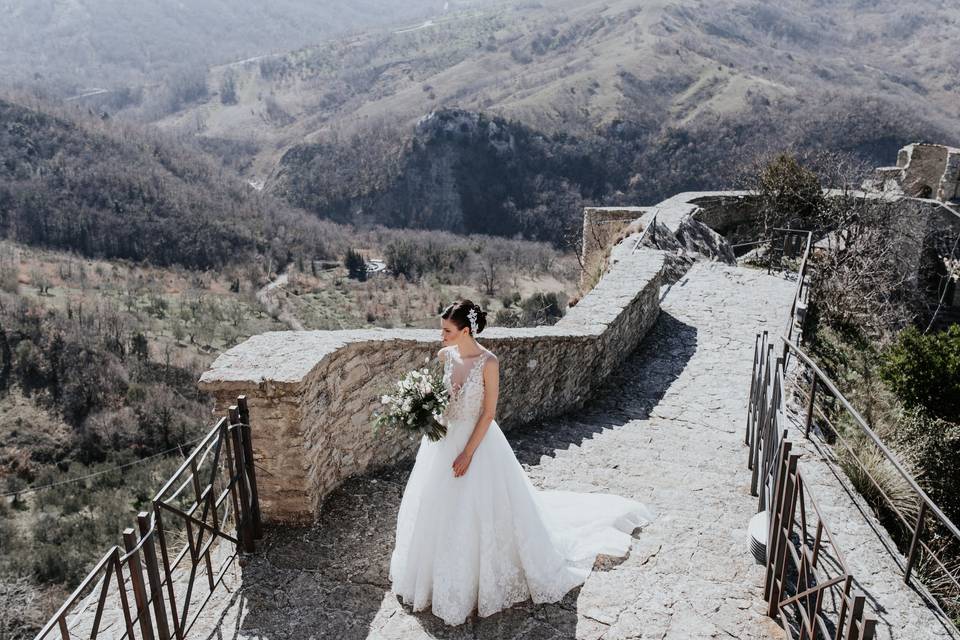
column 765, row 396
column 765, row 436
column 929, row 517
column 823, row 603
column 802, row 292
column 807, row 583
column 210, row 509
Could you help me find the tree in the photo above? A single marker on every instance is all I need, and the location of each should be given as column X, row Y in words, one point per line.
column 178, row 331
column 860, row 283
column 139, row 346
column 403, row 259
column 789, row 194
column 355, row 264
column 228, row 88
column 490, row 275
column 40, row 281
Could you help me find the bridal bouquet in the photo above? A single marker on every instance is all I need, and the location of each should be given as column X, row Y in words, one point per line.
column 416, row 404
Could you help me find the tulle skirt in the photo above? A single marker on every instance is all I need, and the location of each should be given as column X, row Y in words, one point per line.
column 489, row 539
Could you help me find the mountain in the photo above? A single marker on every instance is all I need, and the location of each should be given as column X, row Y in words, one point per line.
column 469, row 173
column 605, row 102
column 573, row 66
column 102, row 43
column 646, row 97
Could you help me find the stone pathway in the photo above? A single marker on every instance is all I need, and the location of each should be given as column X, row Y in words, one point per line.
column 666, row 430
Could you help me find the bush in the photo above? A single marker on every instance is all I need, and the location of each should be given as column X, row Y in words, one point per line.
column 404, row 259
column 932, row 447
column 868, row 466
column 924, row 370
column 542, row 308
column 508, row 318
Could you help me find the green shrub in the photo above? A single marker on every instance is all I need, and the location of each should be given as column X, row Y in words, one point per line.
column 404, row 258
column 508, row 318
column 924, row 370
column 931, row 445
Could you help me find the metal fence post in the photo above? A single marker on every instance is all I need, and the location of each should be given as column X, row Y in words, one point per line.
column 809, row 419
column 251, row 468
column 244, row 515
column 153, row 575
column 915, row 543
column 136, row 580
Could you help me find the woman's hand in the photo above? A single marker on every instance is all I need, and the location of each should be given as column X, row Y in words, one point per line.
column 461, row 463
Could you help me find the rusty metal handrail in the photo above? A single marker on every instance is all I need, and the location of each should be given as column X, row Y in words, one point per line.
column 819, row 378
column 783, row 495
column 791, row 348
column 157, row 609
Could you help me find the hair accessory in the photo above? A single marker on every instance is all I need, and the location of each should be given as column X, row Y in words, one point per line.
column 472, row 317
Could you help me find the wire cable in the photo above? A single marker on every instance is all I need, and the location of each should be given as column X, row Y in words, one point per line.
column 99, row 473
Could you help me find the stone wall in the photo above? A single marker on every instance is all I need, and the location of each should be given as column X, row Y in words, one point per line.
column 924, row 171
column 601, row 227
column 312, row 393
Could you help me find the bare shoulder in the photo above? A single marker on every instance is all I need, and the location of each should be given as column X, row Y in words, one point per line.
column 491, row 357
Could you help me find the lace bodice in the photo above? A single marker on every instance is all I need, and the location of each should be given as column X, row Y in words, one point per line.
column 463, row 378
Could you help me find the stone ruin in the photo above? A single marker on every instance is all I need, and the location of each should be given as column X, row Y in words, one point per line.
column 930, row 171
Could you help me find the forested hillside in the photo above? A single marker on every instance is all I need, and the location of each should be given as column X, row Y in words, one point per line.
column 106, row 190
column 471, row 173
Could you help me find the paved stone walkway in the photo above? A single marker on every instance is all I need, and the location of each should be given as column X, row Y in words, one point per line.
column 666, row 430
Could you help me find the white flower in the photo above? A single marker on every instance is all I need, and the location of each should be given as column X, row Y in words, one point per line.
column 385, row 399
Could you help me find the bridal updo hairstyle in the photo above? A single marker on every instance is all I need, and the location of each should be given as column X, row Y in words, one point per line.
column 456, row 313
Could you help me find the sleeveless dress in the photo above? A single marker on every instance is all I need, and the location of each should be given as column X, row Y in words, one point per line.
column 489, row 539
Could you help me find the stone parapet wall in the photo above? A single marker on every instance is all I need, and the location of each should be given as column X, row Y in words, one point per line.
column 312, row 393
column 601, row 227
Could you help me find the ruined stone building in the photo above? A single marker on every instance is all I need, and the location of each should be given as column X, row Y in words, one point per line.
column 923, row 171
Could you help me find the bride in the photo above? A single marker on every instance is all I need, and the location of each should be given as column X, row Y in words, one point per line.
column 473, row 533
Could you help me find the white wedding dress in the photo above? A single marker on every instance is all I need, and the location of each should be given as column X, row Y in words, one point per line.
column 489, row 539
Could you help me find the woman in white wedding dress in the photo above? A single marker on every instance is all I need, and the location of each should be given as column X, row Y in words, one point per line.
column 473, row 533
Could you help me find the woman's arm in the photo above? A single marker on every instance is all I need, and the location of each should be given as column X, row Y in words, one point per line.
column 491, row 391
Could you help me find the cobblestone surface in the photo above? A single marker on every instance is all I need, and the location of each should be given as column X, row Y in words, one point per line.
column 666, row 430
